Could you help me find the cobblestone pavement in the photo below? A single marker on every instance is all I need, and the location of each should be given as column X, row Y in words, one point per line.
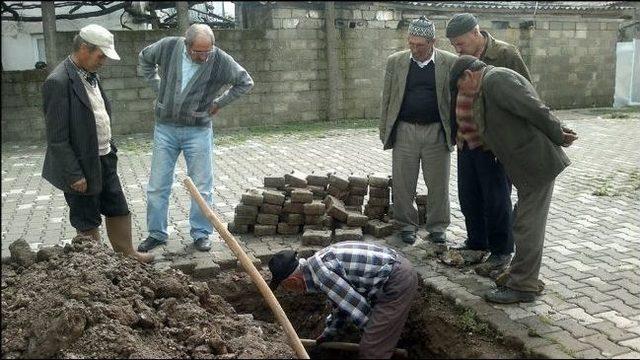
column 591, row 262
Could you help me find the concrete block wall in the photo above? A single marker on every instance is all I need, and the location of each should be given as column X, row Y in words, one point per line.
column 571, row 60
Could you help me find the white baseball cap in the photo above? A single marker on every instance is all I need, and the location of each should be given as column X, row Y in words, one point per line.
column 101, row 37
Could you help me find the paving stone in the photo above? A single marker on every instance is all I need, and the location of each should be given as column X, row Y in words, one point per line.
column 314, row 208
column 625, row 296
column 246, row 210
column 581, row 316
column 286, row 229
column 318, row 192
column 570, row 343
column 621, row 307
column 237, row 229
column 374, row 212
column 629, row 355
column 353, row 234
column 594, row 294
column 354, row 200
column 313, row 219
column 359, row 191
column 313, row 227
column 537, row 325
column 293, row 208
column 379, row 180
column 592, row 353
column 357, row 209
column 613, row 332
column 296, row 179
column 301, row 196
column 274, row 182
column 339, row 182
column 358, row 181
column 273, row 197
column 316, row 237
column 576, row 329
column 252, row 197
column 628, row 284
column 589, row 305
column 205, row 268
column 620, row 321
column 379, row 192
column 244, row 220
column 378, row 202
column 318, row 180
column 378, row 228
column 337, row 192
column 356, row 219
column 633, row 343
column 271, row 209
column 293, row 219
column 267, row 219
column 553, row 351
column 605, row 345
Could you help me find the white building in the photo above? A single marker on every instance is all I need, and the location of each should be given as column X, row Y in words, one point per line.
column 23, row 42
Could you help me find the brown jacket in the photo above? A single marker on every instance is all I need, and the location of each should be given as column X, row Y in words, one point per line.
column 502, row 54
column 519, row 128
column 395, row 79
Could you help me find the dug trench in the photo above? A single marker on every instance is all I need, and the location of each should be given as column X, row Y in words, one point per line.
column 436, row 327
column 84, row 301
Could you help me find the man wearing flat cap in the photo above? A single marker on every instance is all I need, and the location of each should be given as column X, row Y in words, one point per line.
column 526, row 138
column 483, row 186
column 414, row 122
column 370, row 284
column 81, row 158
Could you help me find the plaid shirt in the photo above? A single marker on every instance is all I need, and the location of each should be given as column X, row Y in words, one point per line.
column 350, row 274
column 467, row 127
column 91, row 78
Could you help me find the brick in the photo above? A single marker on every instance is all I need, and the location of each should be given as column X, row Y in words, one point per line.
column 313, row 227
column 379, row 192
column 336, row 192
column 244, row 220
column 379, row 180
column 314, row 208
column 567, row 341
column 301, row 196
column 612, row 331
column 374, row 212
column 265, row 230
column 576, row 329
column 274, row 182
column 356, row 219
column 293, row 219
column 273, row 197
column 348, row 234
column 296, row 179
column 293, row 208
column 286, row 229
column 271, row 209
column 316, row 237
column 379, row 202
column 588, row 305
column 318, row 180
column 246, row 210
column 354, row 208
column 319, row 192
column 252, row 197
column 267, row 219
column 338, row 182
column 378, row 228
column 338, row 213
column 421, row 199
column 358, row 181
column 313, row 219
column 360, row 191
column 354, row 200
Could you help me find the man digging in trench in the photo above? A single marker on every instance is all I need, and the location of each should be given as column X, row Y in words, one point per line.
column 372, row 285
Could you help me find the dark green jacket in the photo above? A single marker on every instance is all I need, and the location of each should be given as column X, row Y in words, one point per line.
column 519, row 128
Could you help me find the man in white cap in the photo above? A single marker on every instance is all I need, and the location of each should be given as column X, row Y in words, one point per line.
column 81, row 158
column 414, row 121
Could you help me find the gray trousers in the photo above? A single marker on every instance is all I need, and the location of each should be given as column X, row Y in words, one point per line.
column 528, row 233
column 390, row 312
column 417, row 145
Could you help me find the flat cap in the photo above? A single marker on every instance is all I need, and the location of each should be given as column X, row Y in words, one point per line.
column 460, row 24
column 462, row 63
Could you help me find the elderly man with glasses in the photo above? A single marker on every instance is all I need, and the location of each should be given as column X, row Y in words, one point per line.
column 186, row 73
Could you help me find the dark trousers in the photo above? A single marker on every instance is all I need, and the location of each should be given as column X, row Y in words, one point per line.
column 85, row 210
column 390, row 312
column 484, row 191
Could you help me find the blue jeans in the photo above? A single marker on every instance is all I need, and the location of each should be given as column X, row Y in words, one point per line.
column 197, row 145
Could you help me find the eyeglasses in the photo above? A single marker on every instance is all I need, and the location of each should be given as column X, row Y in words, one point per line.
column 203, row 53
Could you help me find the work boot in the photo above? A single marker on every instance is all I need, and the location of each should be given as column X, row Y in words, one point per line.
column 93, row 233
column 437, row 237
column 408, row 237
column 505, row 295
column 119, row 233
column 501, row 280
column 493, row 263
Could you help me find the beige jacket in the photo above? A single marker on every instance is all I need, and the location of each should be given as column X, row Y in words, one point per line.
column 519, row 128
column 395, row 79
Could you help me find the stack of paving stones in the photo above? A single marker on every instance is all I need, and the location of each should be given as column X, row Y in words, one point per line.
column 325, row 207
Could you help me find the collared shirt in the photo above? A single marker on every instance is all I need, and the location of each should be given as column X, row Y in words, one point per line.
column 350, row 274
column 426, row 62
column 103, row 121
column 189, row 68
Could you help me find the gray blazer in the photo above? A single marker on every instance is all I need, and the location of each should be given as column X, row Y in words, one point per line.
column 72, row 140
column 519, row 128
column 395, row 80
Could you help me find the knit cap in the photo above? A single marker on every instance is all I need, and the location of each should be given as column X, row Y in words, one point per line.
column 460, row 24
column 422, row 27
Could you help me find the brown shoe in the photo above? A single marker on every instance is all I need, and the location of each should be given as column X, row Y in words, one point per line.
column 119, row 233
column 501, row 280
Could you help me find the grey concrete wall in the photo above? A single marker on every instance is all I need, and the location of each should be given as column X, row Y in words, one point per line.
column 572, row 60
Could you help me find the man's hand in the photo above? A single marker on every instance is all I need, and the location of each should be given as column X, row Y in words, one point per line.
column 568, row 137
column 214, row 109
column 80, row 185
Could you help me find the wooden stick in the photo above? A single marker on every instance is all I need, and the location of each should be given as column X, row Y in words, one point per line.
column 231, row 241
column 347, row 347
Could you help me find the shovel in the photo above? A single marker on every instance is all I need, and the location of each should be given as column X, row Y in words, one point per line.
column 346, row 346
column 248, row 266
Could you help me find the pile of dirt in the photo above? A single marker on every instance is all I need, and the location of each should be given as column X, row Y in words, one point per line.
column 84, row 301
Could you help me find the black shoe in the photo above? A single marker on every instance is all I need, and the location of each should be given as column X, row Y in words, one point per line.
column 203, row 244
column 437, row 237
column 408, row 237
column 505, row 295
column 150, row 243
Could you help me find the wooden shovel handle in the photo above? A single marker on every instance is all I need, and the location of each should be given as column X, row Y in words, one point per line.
column 231, row 241
column 347, row 347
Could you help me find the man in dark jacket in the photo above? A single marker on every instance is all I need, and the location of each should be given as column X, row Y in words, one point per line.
column 483, row 186
column 81, row 158
column 526, row 137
